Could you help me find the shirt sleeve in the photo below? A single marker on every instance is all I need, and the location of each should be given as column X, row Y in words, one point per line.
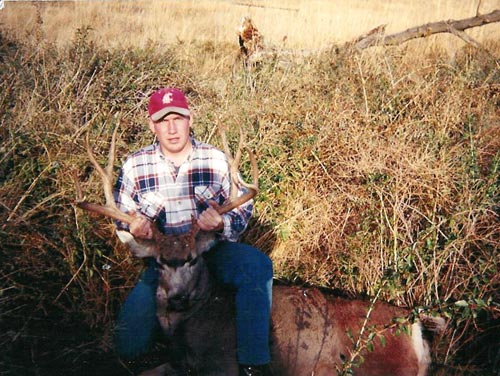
column 125, row 195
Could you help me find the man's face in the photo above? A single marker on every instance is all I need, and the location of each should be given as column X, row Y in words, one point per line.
column 172, row 132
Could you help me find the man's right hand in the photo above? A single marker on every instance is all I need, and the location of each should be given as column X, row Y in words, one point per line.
column 141, row 227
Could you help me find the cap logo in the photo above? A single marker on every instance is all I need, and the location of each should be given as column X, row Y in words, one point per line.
column 167, row 98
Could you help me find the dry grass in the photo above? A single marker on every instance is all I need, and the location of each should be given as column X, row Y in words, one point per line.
column 379, row 171
column 305, row 24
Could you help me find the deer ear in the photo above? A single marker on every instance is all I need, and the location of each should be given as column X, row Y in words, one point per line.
column 141, row 249
column 204, row 242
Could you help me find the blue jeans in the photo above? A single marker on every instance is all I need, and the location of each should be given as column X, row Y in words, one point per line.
column 245, row 268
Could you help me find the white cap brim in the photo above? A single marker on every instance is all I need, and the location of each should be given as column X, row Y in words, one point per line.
column 165, row 111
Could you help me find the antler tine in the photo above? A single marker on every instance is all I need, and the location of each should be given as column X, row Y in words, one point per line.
column 225, row 144
column 255, row 173
column 105, row 173
column 252, row 188
column 237, row 158
column 236, row 177
column 109, row 209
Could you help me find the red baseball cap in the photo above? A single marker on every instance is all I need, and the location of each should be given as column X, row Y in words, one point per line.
column 165, row 101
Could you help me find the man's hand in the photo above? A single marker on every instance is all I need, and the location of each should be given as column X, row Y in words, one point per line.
column 141, row 227
column 210, row 219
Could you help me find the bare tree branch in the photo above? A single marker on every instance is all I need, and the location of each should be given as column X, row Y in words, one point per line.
column 462, row 35
column 452, row 26
column 478, row 6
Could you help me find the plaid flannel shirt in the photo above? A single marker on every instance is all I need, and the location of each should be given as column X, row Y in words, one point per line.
column 149, row 184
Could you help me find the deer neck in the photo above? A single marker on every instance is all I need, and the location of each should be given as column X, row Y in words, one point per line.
column 203, row 287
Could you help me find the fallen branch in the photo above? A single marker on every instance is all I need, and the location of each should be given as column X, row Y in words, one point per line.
column 455, row 27
column 266, row 6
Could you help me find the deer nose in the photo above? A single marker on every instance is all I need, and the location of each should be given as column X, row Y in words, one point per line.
column 179, row 302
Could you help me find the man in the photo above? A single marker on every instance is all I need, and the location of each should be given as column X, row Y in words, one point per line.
column 168, row 182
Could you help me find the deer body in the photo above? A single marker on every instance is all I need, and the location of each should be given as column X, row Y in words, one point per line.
column 309, row 332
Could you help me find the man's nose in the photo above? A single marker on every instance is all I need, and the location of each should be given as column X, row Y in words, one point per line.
column 171, row 127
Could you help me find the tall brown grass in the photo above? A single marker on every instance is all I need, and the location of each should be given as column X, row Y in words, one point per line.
column 379, row 176
column 304, row 24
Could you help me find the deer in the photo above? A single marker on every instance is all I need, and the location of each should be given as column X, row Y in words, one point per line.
column 313, row 332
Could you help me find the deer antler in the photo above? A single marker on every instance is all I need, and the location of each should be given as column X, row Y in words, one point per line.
column 109, row 209
column 252, row 188
column 161, row 245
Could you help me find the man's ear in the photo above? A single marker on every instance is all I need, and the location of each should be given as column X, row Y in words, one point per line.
column 151, row 125
column 191, row 121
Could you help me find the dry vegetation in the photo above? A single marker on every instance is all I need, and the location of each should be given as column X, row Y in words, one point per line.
column 305, row 24
column 379, row 170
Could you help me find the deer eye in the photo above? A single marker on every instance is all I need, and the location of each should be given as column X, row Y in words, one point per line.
column 161, row 262
column 171, row 263
column 177, row 263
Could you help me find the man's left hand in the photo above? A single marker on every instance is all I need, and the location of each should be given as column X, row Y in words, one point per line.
column 210, row 219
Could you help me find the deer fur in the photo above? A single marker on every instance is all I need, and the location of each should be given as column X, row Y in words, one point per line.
column 309, row 333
